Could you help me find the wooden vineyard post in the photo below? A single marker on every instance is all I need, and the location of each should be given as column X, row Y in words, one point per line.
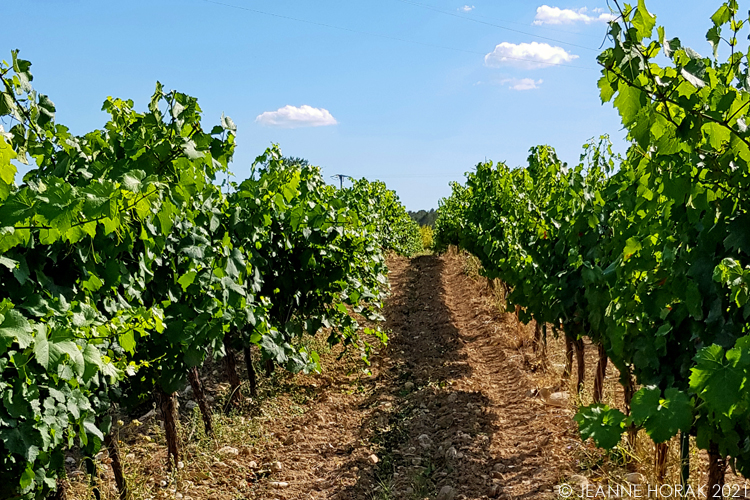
column 169, row 413
column 601, row 370
column 200, row 398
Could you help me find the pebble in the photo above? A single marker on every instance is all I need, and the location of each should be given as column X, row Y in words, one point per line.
column 495, row 491
column 374, row 459
column 425, row 441
column 578, row 480
column 228, row 450
column 451, row 453
column 446, row 493
column 279, row 484
column 276, row 467
column 635, row 478
column 409, row 386
column 252, row 464
column 191, row 405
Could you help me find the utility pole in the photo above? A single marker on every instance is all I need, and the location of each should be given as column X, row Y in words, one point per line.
column 341, row 179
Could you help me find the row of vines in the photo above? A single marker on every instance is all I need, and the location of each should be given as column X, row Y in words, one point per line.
column 648, row 256
column 124, row 264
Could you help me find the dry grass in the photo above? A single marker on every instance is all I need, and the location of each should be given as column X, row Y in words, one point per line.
column 234, row 461
column 601, row 467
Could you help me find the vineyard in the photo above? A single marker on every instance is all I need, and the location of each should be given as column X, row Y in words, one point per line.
column 645, row 256
column 134, row 267
column 125, row 265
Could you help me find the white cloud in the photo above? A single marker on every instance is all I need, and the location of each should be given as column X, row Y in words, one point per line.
column 527, row 55
column 466, row 8
column 555, row 15
column 294, row 117
column 522, row 84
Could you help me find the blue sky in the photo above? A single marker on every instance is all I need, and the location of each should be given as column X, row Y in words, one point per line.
column 412, row 92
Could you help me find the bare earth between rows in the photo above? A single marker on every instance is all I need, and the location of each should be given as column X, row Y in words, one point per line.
column 447, row 407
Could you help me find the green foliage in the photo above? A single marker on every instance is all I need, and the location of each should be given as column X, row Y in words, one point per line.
column 427, row 237
column 385, row 216
column 123, row 265
column 649, row 255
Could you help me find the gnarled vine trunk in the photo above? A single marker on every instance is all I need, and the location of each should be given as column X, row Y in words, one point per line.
column 230, row 366
column 113, row 448
column 569, row 350
column 251, row 375
column 200, row 398
column 717, row 467
column 626, row 380
column 660, row 461
column 61, row 492
column 601, row 370
column 579, row 349
column 169, row 413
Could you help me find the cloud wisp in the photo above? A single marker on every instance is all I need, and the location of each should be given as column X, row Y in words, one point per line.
column 294, row 117
column 466, row 8
column 527, row 55
column 521, row 83
column 555, row 15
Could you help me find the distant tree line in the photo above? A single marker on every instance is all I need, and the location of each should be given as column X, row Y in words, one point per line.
column 423, row 217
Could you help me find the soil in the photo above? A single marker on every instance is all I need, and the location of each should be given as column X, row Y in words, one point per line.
column 450, row 403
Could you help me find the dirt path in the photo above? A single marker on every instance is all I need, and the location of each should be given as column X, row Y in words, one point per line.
column 447, row 406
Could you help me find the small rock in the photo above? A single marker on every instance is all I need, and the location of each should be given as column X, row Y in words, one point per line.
column 451, row 453
column 373, row 458
column 409, row 386
column 559, row 399
column 279, row 484
column 163, row 484
column 499, row 467
column 578, row 481
column 228, row 450
column 191, row 405
column 446, row 493
column 276, row 467
column 495, row 491
column 425, row 441
column 635, row 478
column 252, row 464
column 70, row 460
column 178, row 496
column 180, row 464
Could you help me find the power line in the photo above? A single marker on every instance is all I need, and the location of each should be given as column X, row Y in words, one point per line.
column 387, row 37
column 466, row 18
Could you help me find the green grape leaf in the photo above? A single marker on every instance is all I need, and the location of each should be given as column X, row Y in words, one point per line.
column 643, row 20
column 718, row 379
column 604, row 425
column 15, row 328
